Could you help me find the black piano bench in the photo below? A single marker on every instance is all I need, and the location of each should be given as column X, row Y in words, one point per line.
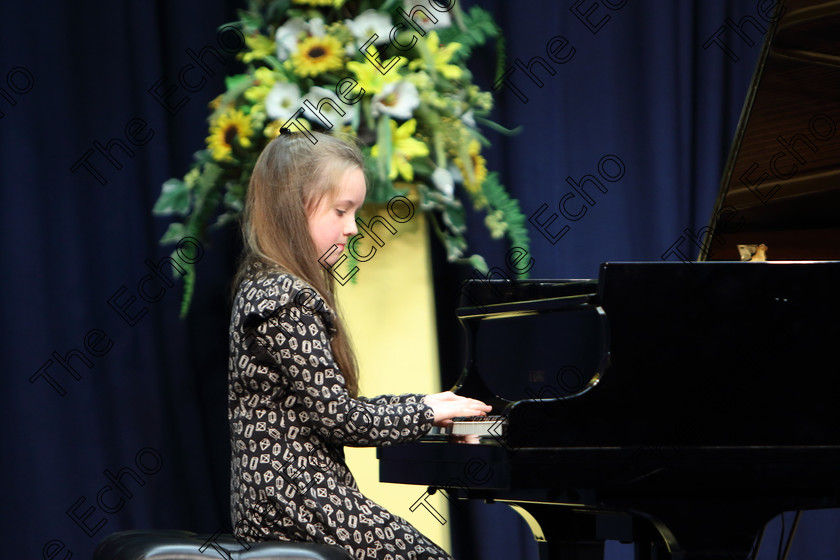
column 184, row 545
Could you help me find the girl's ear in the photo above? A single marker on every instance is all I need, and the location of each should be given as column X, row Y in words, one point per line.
column 314, row 204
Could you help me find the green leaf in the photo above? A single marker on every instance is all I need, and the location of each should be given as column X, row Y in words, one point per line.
column 250, row 20
column 207, row 182
column 455, row 219
column 478, row 263
column 497, row 127
column 234, row 196
column 226, row 218
column 277, row 9
column 176, row 232
column 189, row 286
column 455, row 247
column 275, row 63
column 422, row 166
column 383, row 140
column 240, row 81
column 174, row 199
column 202, row 156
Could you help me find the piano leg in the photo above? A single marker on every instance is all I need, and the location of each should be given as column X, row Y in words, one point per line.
column 707, row 530
column 571, row 532
column 564, row 533
column 567, row 532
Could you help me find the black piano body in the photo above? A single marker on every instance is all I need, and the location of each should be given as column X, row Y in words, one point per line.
column 679, row 405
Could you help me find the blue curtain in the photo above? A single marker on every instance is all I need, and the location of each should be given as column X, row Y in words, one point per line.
column 114, row 408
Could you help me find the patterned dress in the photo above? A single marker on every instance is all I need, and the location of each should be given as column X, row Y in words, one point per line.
column 290, row 416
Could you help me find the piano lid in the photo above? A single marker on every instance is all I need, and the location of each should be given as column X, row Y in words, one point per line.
column 781, row 183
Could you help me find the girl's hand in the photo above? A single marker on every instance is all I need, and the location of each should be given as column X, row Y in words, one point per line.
column 448, row 405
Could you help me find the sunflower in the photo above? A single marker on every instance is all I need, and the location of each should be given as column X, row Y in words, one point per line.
column 316, row 55
column 229, row 126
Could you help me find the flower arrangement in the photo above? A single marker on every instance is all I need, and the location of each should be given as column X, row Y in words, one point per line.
column 389, row 72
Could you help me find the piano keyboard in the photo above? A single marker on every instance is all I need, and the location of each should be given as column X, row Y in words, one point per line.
column 478, row 425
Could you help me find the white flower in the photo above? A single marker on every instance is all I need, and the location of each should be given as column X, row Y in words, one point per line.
column 315, row 95
column 443, row 181
column 289, row 34
column 317, row 27
column 469, row 119
column 283, row 100
column 369, row 22
column 398, row 99
column 443, row 18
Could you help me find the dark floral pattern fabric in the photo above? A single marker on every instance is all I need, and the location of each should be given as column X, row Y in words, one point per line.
column 290, row 417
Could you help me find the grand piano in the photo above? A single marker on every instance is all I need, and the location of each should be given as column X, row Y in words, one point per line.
column 679, row 404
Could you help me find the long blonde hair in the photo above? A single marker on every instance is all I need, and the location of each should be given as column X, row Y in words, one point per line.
column 291, row 177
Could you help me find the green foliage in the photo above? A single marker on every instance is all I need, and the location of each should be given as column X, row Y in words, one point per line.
column 511, row 217
column 174, row 199
column 472, row 29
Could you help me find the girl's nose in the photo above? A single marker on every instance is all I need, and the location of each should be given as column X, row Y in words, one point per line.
column 351, row 229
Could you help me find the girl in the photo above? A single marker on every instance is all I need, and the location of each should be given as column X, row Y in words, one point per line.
column 293, row 384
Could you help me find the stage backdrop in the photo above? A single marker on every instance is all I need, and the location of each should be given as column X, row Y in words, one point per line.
column 114, row 409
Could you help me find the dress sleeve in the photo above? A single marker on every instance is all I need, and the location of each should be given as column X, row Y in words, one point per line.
column 393, row 399
column 295, row 366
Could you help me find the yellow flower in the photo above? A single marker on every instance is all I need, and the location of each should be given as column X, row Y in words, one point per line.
column 371, row 79
column 264, row 79
column 229, row 126
column 259, row 46
column 496, row 224
column 437, row 56
column 403, row 148
column 192, row 177
column 475, row 169
column 421, row 80
column 316, row 55
column 272, row 129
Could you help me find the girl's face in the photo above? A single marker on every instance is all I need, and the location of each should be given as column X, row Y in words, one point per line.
column 333, row 221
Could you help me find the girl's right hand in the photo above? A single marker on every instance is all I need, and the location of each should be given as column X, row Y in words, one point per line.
column 448, row 405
